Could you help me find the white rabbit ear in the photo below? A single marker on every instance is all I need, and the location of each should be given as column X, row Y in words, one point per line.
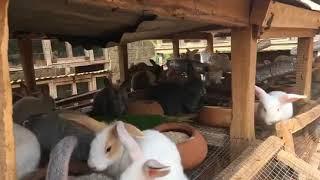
column 153, row 169
column 260, row 93
column 131, row 145
column 289, row 98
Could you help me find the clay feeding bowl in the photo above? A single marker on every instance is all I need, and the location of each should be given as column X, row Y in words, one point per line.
column 193, row 150
column 145, row 107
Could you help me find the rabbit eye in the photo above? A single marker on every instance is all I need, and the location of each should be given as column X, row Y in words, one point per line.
column 108, row 149
column 278, row 109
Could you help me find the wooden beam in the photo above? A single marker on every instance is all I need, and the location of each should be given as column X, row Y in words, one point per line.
column 176, row 47
column 243, row 60
column 189, row 35
column 304, row 66
column 123, row 62
column 25, row 47
column 7, row 148
column 252, row 160
column 287, row 32
column 299, row 165
column 273, row 14
column 210, row 42
column 229, row 13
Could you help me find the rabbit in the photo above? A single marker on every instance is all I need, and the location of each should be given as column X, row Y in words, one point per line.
column 275, row 106
column 110, row 102
column 29, row 106
column 108, row 153
column 28, row 151
column 141, row 168
column 52, row 127
column 58, row 166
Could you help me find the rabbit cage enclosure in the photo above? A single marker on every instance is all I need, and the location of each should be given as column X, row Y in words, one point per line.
column 236, row 147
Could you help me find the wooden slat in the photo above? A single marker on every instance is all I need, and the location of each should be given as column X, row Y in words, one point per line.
column 287, row 32
column 123, row 62
column 300, row 166
column 304, row 66
column 280, row 15
column 243, row 56
column 175, row 47
column 7, row 149
column 252, row 160
column 25, row 47
column 230, row 13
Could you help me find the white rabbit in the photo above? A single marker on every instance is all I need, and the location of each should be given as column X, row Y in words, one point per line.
column 27, row 151
column 140, row 168
column 275, row 106
column 107, row 151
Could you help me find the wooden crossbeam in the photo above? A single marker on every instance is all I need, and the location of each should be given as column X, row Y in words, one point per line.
column 229, row 13
column 7, row 149
column 287, row 32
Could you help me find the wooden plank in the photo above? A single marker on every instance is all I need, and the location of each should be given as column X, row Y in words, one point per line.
column 175, row 47
column 286, row 135
column 280, row 15
column 252, row 160
column 243, row 60
column 188, row 35
column 298, row 165
column 229, row 13
column 210, row 42
column 287, row 32
column 7, row 149
column 304, row 66
column 123, row 62
column 25, row 47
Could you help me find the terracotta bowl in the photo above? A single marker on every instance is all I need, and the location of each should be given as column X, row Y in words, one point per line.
column 194, row 150
column 145, row 107
column 215, row 116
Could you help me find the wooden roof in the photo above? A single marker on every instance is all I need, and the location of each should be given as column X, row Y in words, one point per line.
column 106, row 22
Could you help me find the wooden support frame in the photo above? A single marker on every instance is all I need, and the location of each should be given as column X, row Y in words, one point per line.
column 25, row 47
column 229, row 13
column 300, row 166
column 270, row 14
column 175, row 47
column 286, row 32
column 304, row 66
column 7, row 148
column 254, row 158
column 243, row 60
column 285, row 129
column 123, row 62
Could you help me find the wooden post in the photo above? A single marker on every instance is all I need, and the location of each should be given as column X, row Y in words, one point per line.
column 25, row 46
column 175, row 46
column 210, row 42
column 69, row 49
column 304, row 66
column 7, row 149
column 243, row 59
column 47, row 51
column 123, row 62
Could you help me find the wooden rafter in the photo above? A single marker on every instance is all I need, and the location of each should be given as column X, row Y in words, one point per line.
column 229, row 13
column 7, row 150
